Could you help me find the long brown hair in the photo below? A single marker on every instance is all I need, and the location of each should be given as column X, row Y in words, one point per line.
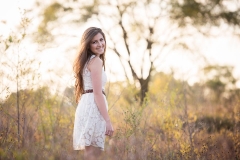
column 83, row 56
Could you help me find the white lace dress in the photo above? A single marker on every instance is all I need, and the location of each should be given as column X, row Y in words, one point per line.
column 89, row 126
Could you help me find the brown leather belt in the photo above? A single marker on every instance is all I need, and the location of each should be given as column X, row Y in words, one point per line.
column 91, row 91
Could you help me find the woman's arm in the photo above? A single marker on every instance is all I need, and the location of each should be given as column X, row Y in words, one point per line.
column 95, row 67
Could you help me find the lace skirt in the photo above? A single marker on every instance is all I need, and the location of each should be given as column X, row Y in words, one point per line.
column 89, row 125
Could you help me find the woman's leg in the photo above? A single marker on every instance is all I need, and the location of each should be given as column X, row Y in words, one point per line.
column 92, row 153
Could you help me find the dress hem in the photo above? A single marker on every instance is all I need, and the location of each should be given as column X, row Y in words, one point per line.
column 77, row 148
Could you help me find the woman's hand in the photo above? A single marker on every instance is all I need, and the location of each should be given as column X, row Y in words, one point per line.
column 109, row 129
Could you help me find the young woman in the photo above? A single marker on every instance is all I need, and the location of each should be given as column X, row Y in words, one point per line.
column 92, row 121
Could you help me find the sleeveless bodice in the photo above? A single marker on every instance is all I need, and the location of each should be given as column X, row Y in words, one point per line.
column 87, row 81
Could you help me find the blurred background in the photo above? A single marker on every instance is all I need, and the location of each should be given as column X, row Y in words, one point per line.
column 173, row 69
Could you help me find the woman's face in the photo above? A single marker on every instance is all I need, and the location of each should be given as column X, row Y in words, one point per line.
column 97, row 44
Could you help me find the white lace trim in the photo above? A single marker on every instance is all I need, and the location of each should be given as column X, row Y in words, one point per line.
column 89, row 125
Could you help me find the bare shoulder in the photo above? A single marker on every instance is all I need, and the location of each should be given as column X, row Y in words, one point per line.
column 95, row 63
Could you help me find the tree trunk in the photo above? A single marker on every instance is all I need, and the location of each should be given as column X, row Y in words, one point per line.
column 144, row 83
column 18, row 110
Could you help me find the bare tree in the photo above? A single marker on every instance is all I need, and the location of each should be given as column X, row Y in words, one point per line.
column 207, row 13
column 19, row 71
column 142, row 32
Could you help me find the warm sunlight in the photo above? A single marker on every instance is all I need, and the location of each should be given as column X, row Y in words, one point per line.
column 170, row 90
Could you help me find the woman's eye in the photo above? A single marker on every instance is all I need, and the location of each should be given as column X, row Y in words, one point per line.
column 101, row 39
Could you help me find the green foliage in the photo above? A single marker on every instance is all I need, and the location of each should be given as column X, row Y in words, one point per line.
column 50, row 14
column 214, row 124
column 209, row 12
column 43, row 125
column 220, row 81
column 158, row 128
column 174, row 120
column 87, row 11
